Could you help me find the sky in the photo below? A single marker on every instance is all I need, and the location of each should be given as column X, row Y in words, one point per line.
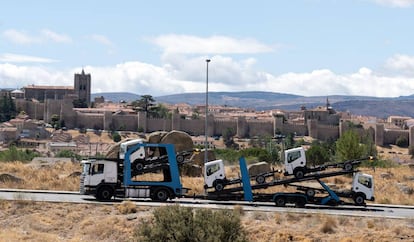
column 303, row 47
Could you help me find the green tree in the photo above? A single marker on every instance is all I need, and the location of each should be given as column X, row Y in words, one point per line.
column 196, row 114
column 228, row 135
column 368, row 143
column 13, row 154
column 7, row 108
column 160, row 111
column 318, row 154
column 289, row 141
column 229, row 155
column 144, row 104
column 54, row 119
column 348, row 146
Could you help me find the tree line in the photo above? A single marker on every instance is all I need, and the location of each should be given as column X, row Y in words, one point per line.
column 7, row 108
column 351, row 145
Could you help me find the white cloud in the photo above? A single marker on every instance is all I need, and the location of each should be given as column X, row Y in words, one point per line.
column 364, row 82
column 186, row 44
column 396, row 3
column 101, row 39
column 55, row 37
column 21, row 37
column 180, row 74
column 401, row 63
column 13, row 58
column 13, row 76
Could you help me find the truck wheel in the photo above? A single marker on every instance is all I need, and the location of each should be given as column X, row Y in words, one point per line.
column 310, row 192
column 260, row 179
column 139, row 166
column 104, row 193
column 180, row 158
column 161, row 195
column 218, row 186
column 280, row 201
column 359, row 199
column 348, row 166
column 299, row 173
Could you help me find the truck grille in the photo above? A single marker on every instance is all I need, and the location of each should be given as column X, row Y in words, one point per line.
column 82, row 184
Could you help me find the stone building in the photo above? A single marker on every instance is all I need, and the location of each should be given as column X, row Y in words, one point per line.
column 42, row 93
column 81, row 90
column 82, row 87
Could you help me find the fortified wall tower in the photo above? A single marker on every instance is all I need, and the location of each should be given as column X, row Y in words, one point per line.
column 82, row 87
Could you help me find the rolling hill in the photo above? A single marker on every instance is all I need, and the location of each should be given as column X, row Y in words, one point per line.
column 359, row 105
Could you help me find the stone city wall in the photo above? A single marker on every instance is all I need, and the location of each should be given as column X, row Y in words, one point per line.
column 216, row 126
column 391, row 136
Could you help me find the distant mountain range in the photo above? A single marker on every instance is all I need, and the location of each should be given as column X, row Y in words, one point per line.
column 359, row 105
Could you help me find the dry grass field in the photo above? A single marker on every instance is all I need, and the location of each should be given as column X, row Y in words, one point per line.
column 39, row 221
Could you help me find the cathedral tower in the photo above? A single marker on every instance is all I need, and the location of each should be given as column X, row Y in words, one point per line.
column 83, row 87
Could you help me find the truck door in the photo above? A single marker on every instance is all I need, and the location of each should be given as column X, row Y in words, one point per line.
column 214, row 170
column 293, row 160
column 96, row 174
column 363, row 183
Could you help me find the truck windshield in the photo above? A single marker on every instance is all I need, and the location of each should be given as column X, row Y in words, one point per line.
column 366, row 181
column 293, row 156
column 123, row 149
column 212, row 169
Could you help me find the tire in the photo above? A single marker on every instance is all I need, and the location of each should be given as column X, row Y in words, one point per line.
column 180, row 158
column 359, row 199
column 161, row 195
column 139, row 166
column 280, row 201
column 299, row 173
column 310, row 192
column 218, row 185
column 348, row 166
column 104, row 193
column 260, row 179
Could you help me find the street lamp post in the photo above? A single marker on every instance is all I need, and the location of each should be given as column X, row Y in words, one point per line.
column 205, row 125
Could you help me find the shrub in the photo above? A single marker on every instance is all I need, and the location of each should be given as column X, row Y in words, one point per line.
column 13, row 154
column 174, row 223
column 68, row 154
column 116, row 137
column 402, row 141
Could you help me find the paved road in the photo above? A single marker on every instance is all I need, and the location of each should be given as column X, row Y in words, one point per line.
column 373, row 210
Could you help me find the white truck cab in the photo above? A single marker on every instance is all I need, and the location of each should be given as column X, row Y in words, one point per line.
column 363, row 188
column 139, row 154
column 214, row 175
column 95, row 172
column 295, row 162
